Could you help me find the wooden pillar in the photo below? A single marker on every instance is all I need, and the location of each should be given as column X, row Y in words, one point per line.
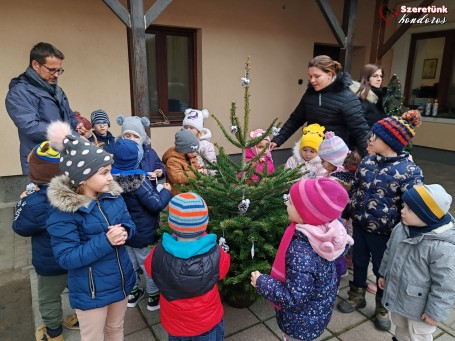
column 349, row 18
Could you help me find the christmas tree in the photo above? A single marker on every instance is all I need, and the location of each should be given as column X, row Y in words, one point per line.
column 393, row 98
column 250, row 216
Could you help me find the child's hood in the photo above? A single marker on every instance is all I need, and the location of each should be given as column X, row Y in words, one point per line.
column 296, row 152
column 206, row 134
column 185, row 250
column 62, row 197
column 129, row 182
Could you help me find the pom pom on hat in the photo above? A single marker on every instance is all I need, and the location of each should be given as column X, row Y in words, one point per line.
column 80, row 118
column 44, row 163
column 99, row 116
column 312, row 136
column 188, row 215
column 318, row 201
column 79, row 159
column 128, row 154
column 395, row 131
column 134, row 125
column 333, row 149
column 195, row 118
column 185, row 142
column 259, row 132
column 430, row 203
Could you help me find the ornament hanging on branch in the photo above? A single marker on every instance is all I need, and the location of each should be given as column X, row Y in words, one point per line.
column 275, row 131
column 252, row 248
column 234, row 129
column 244, row 205
column 245, row 82
column 223, row 245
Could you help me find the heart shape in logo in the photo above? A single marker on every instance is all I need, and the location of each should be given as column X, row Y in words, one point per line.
column 384, row 11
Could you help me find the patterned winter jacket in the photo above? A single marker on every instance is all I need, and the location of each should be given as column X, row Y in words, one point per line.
column 419, row 273
column 376, row 192
column 30, row 221
column 98, row 273
column 144, row 204
column 307, row 296
column 310, row 169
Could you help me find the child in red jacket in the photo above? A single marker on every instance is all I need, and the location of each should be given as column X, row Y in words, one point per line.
column 190, row 301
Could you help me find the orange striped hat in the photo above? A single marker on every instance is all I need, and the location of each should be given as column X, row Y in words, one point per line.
column 188, row 215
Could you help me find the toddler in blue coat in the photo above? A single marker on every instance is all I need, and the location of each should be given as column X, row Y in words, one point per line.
column 89, row 225
column 30, row 221
column 303, row 283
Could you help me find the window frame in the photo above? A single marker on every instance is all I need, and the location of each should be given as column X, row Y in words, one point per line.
column 161, row 32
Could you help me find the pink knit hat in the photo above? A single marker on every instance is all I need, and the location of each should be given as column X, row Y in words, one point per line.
column 333, row 149
column 318, row 201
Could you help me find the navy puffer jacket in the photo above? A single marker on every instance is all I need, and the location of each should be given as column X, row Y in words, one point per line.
column 144, row 204
column 336, row 108
column 98, row 273
column 30, row 221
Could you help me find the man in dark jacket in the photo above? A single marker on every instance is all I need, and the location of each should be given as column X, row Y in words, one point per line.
column 34, row 99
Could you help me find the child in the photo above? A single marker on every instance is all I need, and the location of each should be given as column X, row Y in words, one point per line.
column 186, row 268
column 101, row 136
column 305, row 152
column 144, row 203
column 375, row 204
column 194, row 122
column 30, row 221
column 302, row 284
column 133, row 128
column 418, row 268
column 265, row 160
column 89, row 224
column 177, row 159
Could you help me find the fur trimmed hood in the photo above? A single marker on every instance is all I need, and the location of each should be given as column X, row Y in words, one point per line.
column 62, row 196
column 206, row 134
column 129, row 182
column 372, row 97
column 296, row 152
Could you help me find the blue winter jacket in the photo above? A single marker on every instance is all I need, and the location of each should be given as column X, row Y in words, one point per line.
column 30, row 221
column 31, row 110
column 98, row 273
column 307, row 296
column 108, row 140
column 151, row 161
column 144, row 204
column 379, row 183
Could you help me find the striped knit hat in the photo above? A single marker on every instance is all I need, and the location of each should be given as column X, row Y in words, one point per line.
column 318, row 201
column 188, row 215
column 99, row 116
column 333, row 149
column 395, row 131
column 429, row 202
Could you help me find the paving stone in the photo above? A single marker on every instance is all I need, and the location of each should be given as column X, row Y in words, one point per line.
column 364, row 331
column 341, row 321
column 134, row 321
column 236, row 320
column 258, row 332
column 446, row 337
column 262, row 309
column 160, row 333
column 141, row 335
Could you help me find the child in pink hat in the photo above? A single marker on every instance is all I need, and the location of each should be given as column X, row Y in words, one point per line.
column 265, row 161
column 302, row 285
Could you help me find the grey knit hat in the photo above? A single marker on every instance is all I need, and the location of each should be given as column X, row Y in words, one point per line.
column 79, row 159
column 186, row 142
column 135, row 125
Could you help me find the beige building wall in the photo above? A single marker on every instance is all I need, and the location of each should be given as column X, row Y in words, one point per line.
column 277, row 35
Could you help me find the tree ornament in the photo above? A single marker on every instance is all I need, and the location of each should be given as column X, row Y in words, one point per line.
column 245, row 82
column 275, row 131
column 223, row 245
column 252, row 248
column 244, row 205
column 286, row 197
column 234, row 129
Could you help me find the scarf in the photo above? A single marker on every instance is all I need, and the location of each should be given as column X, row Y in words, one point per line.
column 279, row 264
column 415, row 231
column 53, row 89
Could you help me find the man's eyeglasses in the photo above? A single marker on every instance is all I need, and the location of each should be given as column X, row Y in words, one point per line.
column 53, row 71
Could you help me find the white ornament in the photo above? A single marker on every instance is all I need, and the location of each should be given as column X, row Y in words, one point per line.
column 275, row 131
column 243, row 206
column 223, row 245
column 234, row 129
column 245, row 82
column 286, row 197
column 252, row 248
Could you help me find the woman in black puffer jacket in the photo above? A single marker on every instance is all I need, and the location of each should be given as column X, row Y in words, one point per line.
column 370, row 93
column 329, row 102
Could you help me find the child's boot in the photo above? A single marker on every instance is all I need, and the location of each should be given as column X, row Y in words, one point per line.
column 381, row 318
column 356, row 299
column 41, row 334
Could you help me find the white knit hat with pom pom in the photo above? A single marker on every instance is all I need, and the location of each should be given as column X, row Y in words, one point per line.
column 79, row 159
column 195, row 118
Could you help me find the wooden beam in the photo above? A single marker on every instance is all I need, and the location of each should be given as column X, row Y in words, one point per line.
column 332, row 21
column 400, row 31
column 119, row 11
column 349, row 18
column 377, row 37
column 138, row 59
column 158, row 7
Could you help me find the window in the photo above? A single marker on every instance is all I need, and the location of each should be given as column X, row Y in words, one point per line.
column 431, row 72
column 171, row 67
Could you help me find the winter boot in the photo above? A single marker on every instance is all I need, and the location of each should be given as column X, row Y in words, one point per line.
column 356, row 299
column 381, row 318
column 41, row 334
